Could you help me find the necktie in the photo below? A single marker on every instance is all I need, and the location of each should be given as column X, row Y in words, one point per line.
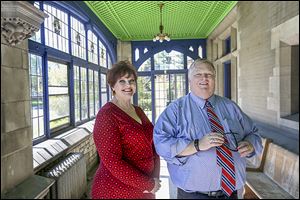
column 224, row 155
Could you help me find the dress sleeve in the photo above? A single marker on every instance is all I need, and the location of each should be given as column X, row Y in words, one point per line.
column 107, row 139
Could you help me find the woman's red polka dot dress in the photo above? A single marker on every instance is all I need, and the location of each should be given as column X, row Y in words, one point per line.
column 128, row 160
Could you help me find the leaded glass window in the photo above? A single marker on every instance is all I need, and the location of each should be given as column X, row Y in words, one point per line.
column 97, row 100
column 189, row 61
column 56, row 28
column 167, row 61
column 102, row 52
column 146, row 66
column 78, row 38
column 36, row 94
column 109, row 61
column 59, row 98
column 77, row 92
column 84, row 99
column 37, row 35
column 91, row 93
column 103, row 90
column 92, row 48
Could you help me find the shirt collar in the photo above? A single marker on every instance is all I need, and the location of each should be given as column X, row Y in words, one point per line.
column 201, row 102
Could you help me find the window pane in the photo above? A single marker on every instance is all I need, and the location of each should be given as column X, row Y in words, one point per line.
column 91, row 93
column 103, row 90
column 109, row 61
column 92, row 48
column 146, row 66
column 144, row 95
column 84, row 102
column 59, row 99
column 189, row 61
column 78, row 38
column 37, row 35
column 166, row 61
column 102, row 51
column 56, row 28
column 35, row 127
column 97, row 103
column 76, row 93
column 58, row 74
column 36, row 93
column 59, row 109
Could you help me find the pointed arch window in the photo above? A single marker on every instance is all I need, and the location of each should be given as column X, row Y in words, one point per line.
column 167, row 61
column 146, row 66
column 200, row 53
column 137, row 54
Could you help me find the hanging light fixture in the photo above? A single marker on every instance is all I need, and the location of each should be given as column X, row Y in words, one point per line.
column 161, row 36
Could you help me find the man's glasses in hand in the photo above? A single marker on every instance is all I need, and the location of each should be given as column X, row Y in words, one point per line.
column 232, row 144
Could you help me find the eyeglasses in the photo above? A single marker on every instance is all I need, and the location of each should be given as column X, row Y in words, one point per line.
column 205, row 75
column 130, row 82
column 232, row 143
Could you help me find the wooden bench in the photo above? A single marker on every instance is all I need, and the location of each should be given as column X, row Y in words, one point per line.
column 34, row 187
column 277, row 176
column 256, row 163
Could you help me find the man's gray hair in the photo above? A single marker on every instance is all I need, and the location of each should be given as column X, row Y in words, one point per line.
column 199, row 61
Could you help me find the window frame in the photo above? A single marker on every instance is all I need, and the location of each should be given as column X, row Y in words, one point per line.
column 49, row 53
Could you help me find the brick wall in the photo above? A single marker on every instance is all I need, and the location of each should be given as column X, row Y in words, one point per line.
column 88, row 148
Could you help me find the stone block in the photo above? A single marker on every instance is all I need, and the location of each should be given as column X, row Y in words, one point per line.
column 15, row 140
column 16, row 167
column 11, row 56
column 25, row 63
column 15, row 116
column 14, row 85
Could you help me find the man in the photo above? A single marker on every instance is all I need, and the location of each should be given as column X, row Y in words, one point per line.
column 205, row 139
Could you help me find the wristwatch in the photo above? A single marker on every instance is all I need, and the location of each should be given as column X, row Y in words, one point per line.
column 196, row 144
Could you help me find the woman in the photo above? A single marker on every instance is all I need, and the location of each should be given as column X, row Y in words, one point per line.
column 123, row 135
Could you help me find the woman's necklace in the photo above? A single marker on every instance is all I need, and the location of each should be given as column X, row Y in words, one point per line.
column 127, row 109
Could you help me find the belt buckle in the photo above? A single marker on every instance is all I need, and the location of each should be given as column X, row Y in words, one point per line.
column 215, row 194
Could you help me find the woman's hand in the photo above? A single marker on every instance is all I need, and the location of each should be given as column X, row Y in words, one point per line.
column 156, row 186
column 211, row 140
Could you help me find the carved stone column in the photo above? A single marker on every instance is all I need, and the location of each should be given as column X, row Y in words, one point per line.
column 19, row 21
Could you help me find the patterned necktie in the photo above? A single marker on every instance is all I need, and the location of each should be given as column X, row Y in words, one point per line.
column 224, row 155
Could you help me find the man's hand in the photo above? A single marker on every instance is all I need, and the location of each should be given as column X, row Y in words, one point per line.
column 211, row 140
column 245, row 148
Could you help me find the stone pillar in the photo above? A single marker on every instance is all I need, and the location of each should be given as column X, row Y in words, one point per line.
column 124, row 51
column 19, row 21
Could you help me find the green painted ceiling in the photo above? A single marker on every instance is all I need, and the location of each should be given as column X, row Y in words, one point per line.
column 140, row 20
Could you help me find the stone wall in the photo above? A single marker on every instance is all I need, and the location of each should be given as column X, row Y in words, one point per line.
column 263, row 35
column 16, row 131
column 259, row 61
